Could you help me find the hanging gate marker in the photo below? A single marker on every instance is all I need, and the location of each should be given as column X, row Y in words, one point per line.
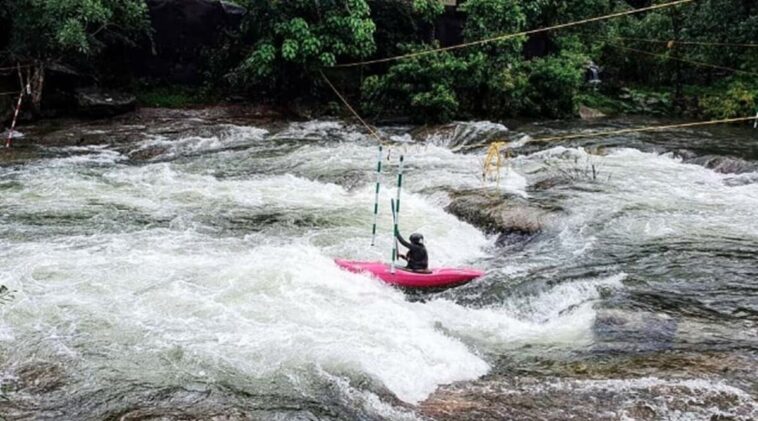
column 396, row 215
column 376, row 195
column 755, row 123
column 24, row 91
column 9, row 141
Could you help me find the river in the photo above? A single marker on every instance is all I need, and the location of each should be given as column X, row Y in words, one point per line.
column 181, row 268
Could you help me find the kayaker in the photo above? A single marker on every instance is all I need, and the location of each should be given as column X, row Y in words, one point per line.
column 417, row 259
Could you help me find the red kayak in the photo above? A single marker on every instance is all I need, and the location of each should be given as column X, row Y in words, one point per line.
column 435, row 278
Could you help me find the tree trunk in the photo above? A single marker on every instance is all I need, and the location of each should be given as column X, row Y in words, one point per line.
column 37, row 84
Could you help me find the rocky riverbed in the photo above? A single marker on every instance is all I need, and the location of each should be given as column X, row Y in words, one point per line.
column 178, row 265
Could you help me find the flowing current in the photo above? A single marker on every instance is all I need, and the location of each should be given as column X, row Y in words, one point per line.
column 189, row 273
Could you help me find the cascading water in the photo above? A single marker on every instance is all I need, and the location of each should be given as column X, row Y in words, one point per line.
column 192, row 275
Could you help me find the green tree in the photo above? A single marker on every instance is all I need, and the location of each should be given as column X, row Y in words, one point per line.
column 494, row 84
column 479, row 80
column 396, row 25
column 553, row 85
column 54, row 31
column 423, row 87
column 296, row 38
column 427, row 10
column 49, row 29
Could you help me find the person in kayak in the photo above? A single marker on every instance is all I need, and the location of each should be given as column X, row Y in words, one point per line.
column 417, row 259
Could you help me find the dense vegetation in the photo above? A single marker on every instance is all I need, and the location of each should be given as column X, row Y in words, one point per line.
column 649, row 61
column 44, row 32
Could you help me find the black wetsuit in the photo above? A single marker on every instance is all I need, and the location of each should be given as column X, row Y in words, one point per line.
column 416, row 256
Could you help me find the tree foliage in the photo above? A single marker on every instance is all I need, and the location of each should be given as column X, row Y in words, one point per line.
column 425, row 86
column 295, row 38
column 52, row 30
column 445, row 85
column 283, row 45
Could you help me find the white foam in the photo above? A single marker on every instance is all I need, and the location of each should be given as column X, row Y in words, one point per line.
column 262, row 310
column 229, row 136
column 262, row 304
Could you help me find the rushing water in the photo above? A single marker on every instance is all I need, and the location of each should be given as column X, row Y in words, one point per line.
column 189, row 274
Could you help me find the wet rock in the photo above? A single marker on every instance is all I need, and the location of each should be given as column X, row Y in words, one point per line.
column 725, row 164
column 462, row 135
column 587, row 113
column 350, row 180
column 522, row 397
column 568, row 172
column 685, row 154
column 6, row 295
column 93, row 102
column 132, row 128
column 550, row 182
column 741, row 180
column 40, row 377
column 634, row 331
column 508, row 215
column 147, row 153
column 187, row 414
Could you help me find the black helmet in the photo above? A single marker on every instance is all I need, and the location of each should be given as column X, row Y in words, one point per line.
column 417, row 238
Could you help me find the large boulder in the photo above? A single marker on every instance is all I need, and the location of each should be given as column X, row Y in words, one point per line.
column 510, row 216
column 588, row 113
column 183, row 29
column 93, row 102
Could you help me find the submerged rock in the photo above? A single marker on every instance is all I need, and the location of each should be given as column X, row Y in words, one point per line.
column 634, row 331
column 40, row 377
column 724, row 164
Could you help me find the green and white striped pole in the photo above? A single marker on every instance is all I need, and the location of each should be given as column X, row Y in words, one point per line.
column 396, row 212
column 376, row 195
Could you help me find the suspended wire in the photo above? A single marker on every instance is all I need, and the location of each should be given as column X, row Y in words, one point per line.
column 352, row 110
column 514, row 35
column 618, row 132
column 698, row 63
column 496, row 146
column 492, row 163
column 697, row 43
column 641, row 129
column 10, row 68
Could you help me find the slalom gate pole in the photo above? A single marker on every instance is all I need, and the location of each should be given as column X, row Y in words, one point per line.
column 755, row 123
column 9, row 141
column 396, row 212
column 376, row 195
column 395, row 248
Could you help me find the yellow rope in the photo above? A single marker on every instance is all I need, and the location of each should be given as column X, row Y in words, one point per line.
column 699, row 43
column 517, row 34
column 698, row 63
column 492, row 160
column 643, row 129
